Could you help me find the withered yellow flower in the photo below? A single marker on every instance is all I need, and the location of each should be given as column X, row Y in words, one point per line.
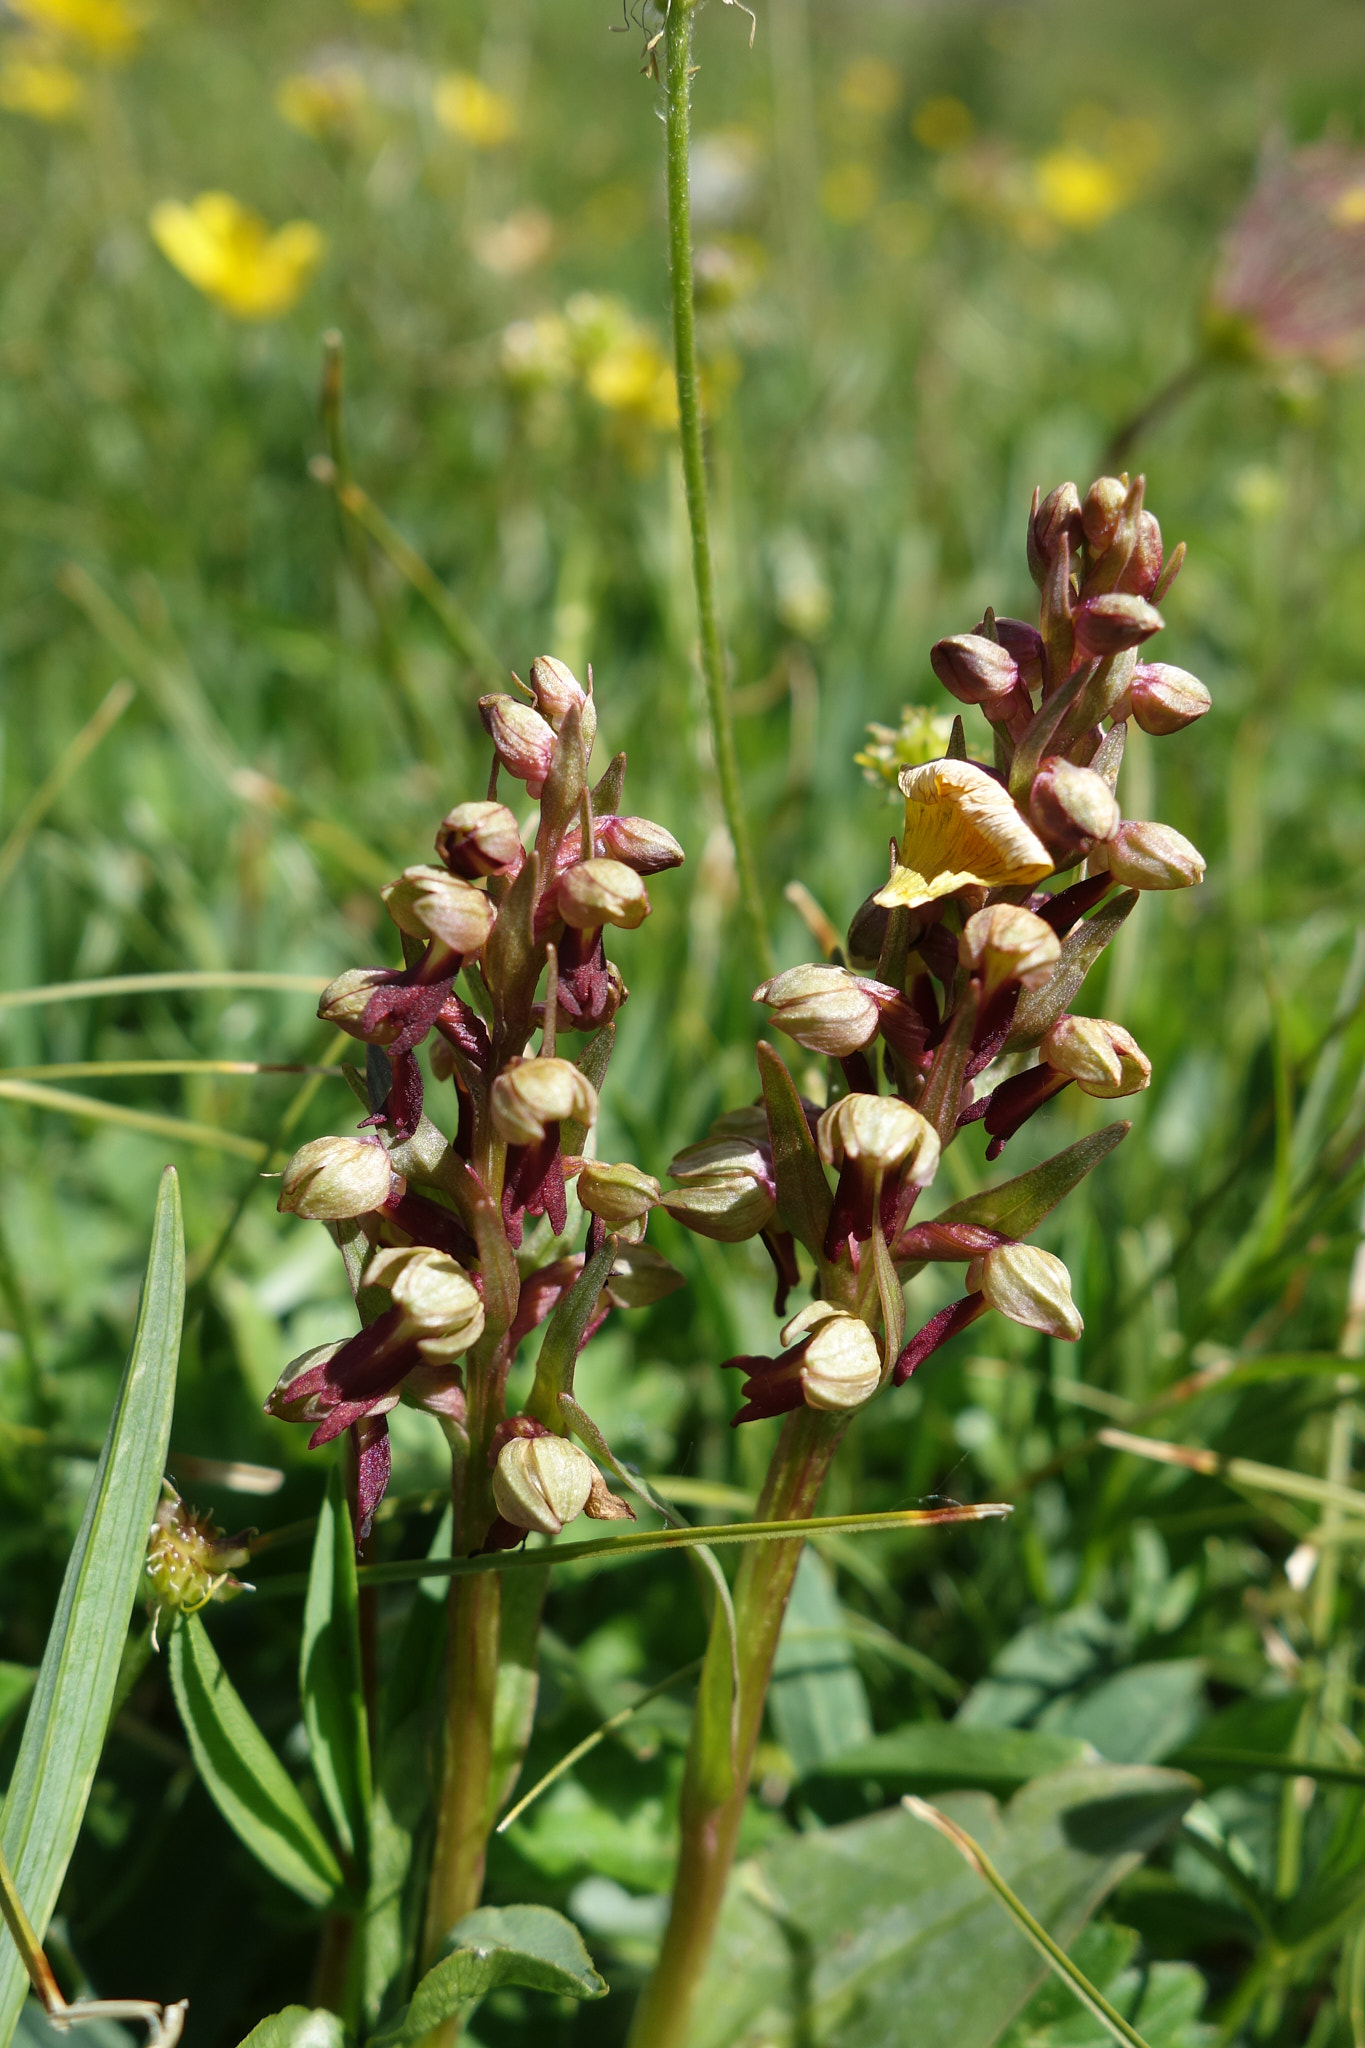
column 961, row 830
column 474, row 111
column 229, row 253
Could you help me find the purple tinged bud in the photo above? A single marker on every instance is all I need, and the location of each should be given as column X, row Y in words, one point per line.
column 825, row 1009
column 427, row 903
column 479, row 839
column 1101, row 1058
column 1102, row 510
column 1148, row 856
column 1142, row 571
column 639, row 843
column 1055, row 521
column 558, row 690
column 531, row 1094
column 344, row 1002
column 524, row 742
column 1008, row 943
column 542, row 1482
column 1071, row 807
column 598, row 892
column 1025, row 643
column 1165, row 698
column 1114, row 621
column 973, row 669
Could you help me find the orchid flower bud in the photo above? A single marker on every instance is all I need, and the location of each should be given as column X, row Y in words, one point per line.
column 427, row 903
column 1025, row 643
column 881, row 1132
column 1113, row 621
column 524, row 742
column 841, row 1365
column 1102, row 510
column 557, row 691
column 975, row 670
column 597, row 892
column 532, row 1094
column 1149, row 856
column 727, row 1191
column 1007, row 943
column 1058, row 518
column 1164, row 698
column 344, row 1002
column 479, row 839
column 542, row 1482
column 1071, row 807
column 330, row 1179
column 310, row 1408
column 640, row 843
column 640, row 1276
column 1142, row 571
column 618, row 1194
column 1101, row 1058
column 825, row 1009
column 441, row 1307
column 1030, row 1287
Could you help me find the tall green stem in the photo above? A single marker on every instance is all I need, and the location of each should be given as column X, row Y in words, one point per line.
column 716, row 1783
column 678, row 95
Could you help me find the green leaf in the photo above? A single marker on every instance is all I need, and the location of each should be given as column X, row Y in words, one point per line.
column 1162, row 2001
column 803, row 1195
column 508, row 956
column 514, row 1704
column 74, row 1690
column 817, row 1699
column 525, row 1945
column 1137, row 1716
column 242, row 1775
column 298, row 2027
column 829, row 1939
column 1018, row 1206
column 564, row 785
column 936, row 1756
column 1039, row 1008
column 593, row 1061
column 563, row 1335
column 16, row 1683
column 942, row 1098
column 606, row 796
column 331, row 1684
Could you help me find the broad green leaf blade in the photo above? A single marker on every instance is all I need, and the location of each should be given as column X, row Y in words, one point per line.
column 298, row 2027
column 64, row 1731
column 1039, row 1008
column 888, row 1921
column 525, row 1945
column 242, row 1775
column 331, row 1684
column 1018, row 1206
column 939, row 1756
column 803, row 1195
column 817, row 1699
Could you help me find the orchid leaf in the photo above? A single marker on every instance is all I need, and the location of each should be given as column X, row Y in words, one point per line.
column 298, row 2026
column 804, row 1200
column 1039, row 1008
column 1017, row 1206
column 331, row 1685
column 942, row 1098
column 564, row 1337
column 530, row 1946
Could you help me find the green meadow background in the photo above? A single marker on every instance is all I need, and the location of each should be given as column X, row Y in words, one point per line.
column 945, row 250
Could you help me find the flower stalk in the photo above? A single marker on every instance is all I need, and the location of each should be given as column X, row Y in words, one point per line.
column 678, row 113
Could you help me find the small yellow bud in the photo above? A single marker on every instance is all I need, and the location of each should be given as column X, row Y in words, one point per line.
column 427, row 903
column 880, row 1130
column 596, row 892
column 1030, row 1287
column 1101, row 1058
column 330, row 1179
column 532, row 1094
column 542, row 1482
column 1008, row 943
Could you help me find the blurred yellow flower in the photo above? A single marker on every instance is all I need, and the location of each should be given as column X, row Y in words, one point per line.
column 325, row 104
column 230, row 254
column 473, row 111
column 961, row 831
column 104, row 28
column 32, row 82
column 1348, row 208
column 942, row 123
column 871, row 86
column 848, row 191
column 634, row 376
column 1079, row 189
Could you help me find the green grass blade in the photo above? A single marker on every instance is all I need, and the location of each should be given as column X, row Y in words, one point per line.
column 331, row 1685
column 64, row 1731
column 160, row 984
column 182, row 1132
column 242, row 1774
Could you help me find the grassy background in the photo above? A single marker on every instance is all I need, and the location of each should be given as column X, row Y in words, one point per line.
column 912, row 345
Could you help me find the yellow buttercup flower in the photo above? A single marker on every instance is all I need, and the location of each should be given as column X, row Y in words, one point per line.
column 961, row 831
column 633, row 375
column 474, row 111
column 1080, row 189
column 230, row 254
column 31, row 82
column 104, row 28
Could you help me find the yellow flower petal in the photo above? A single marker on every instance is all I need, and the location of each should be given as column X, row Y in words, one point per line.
column 41, row 86
column 474, row 111
column 230, row 255
column 105, row 28
column 961, row 830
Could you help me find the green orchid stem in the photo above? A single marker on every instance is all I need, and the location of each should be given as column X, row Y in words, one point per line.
column 720, row 1757
column 678, row 97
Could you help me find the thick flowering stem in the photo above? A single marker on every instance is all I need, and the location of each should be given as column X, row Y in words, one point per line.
column 716, row 1783
column 678, row 93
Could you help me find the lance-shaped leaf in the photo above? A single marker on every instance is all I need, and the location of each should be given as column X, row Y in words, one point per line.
column 75, row 1687
column 1039, row 1008
column 564, row 785
column 606, row 797
column 1018, row 1206
column 242, row 1775
column 298, row 2027
column 331, row 1686
column 942, row 1097
column 593, row 1061
column 564, row 1337
column 940, row 1756
column 530, row 1946
column 891, row 1296
column 509, row 957
column 803, row 1196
